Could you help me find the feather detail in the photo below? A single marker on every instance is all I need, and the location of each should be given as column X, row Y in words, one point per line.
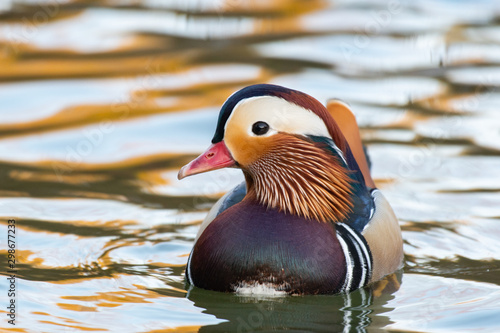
column 298, row 176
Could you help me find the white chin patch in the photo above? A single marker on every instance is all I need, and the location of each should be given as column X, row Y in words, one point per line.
column 261, row 289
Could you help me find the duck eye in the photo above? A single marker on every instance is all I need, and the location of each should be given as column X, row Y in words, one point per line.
column 260, row 128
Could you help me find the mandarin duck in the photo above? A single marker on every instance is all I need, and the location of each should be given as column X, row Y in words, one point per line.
column 308, row 219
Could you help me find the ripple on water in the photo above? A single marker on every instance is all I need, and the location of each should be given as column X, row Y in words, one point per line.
column 115, row 142
column 481, row 130
column 106, row 245
column 483, row 77
column 93, row 230
column 105, row 29
column 102, row 303
column 396, row 91
column 86, row 212
column 426, row 303
column 380, row 54
column 74, row 101
column 206, row 184
column 474, row 239
column 50, row 97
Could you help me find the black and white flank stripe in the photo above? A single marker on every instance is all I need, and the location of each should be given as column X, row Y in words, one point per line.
column 358, row 257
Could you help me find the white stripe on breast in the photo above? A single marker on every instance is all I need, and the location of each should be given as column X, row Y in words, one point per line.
column 188, row 268
column 362, row 249
column 349, row 264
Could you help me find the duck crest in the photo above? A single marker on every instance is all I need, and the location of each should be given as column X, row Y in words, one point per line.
column 302, row 178
column 293, row 96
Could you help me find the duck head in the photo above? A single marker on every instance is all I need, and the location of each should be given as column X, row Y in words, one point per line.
column 292, row 153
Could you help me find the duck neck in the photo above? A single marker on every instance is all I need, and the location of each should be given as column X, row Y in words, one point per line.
column 302, row 178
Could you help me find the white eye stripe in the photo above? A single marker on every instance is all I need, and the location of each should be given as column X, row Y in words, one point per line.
column 279, row 114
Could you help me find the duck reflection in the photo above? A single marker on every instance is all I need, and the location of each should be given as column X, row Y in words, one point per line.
column 352, row 312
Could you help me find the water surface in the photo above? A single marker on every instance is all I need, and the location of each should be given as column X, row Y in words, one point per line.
column 102, row 102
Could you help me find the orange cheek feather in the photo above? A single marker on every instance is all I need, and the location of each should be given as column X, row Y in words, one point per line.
column 244, row 148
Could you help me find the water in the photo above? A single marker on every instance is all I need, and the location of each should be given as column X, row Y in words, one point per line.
column 102, row 102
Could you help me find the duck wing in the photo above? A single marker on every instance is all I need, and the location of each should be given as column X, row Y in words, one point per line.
column 346, row 120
